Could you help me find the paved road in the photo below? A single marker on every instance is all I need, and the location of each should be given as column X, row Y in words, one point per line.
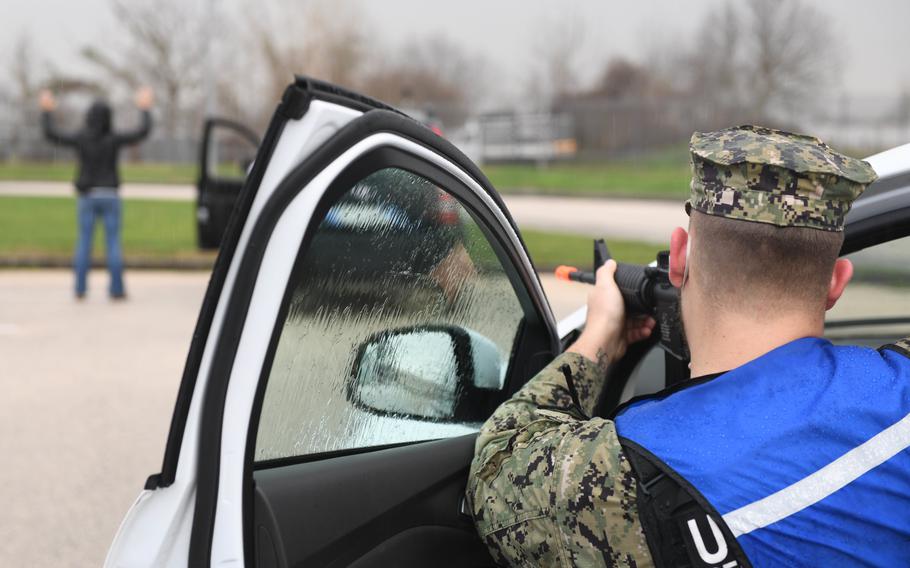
column 88, row 390
column 635, row 219
column 130, row 190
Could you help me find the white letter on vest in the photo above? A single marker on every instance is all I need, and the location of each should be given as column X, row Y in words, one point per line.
column 708, row 557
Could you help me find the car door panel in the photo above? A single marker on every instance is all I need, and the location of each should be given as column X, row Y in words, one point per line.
column 276, row 226
column 253, row 310
column 157, row 529
column 298, row 127
column 407, row 499
column 225, row 155
column 200, row 509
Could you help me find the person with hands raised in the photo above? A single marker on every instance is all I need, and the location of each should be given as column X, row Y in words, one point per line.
column 97, row 182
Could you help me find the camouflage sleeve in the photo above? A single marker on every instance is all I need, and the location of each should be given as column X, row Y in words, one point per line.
column 549, row 487
column 902, row 346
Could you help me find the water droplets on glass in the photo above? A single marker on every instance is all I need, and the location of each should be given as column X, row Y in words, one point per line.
column 394, row 252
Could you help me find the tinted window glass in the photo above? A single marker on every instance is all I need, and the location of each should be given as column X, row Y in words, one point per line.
column 230, row 154
column 879, row 293
column 396, row 286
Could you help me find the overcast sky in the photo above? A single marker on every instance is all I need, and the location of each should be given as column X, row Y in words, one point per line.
column 874, row 42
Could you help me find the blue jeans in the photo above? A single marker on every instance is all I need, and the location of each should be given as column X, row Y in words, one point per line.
column 89, row 208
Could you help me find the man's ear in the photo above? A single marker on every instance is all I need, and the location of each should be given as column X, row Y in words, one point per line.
column 678, row 256
column 843, row 272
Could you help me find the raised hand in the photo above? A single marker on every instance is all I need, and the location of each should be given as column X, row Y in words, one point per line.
column 145, row 98
column 608, row 332
column 46, row 100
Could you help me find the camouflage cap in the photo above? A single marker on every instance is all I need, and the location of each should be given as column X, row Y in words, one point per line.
column 771, row 176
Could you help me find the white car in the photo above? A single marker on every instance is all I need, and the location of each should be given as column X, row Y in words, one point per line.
column 327, row 417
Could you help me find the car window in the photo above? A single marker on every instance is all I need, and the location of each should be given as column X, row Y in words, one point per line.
column 875, row 307
column 230, row 154
column 397, row 268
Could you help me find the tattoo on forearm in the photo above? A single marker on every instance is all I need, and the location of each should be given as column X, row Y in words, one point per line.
column 602, row 358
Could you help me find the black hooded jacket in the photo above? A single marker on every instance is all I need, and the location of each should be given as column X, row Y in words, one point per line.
column 97, row 145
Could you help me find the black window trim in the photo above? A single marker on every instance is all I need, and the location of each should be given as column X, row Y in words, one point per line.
column 295, row 102
column 293, row 105
column 372, row 122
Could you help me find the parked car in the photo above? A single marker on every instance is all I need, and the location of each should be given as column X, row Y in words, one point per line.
column 341, row 434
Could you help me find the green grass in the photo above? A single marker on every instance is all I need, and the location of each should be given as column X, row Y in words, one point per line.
column 130, row 172
column 549, row 250
column 619, row 179
column 46, row 226
column 663, row 175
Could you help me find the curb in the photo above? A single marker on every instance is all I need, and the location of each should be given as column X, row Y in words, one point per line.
column 133, row 263
column 519, row 191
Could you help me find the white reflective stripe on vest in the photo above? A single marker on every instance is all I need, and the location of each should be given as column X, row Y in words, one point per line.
column 829, row 479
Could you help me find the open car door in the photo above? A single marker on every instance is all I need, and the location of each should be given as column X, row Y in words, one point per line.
column 225, row 157
column 371, row 306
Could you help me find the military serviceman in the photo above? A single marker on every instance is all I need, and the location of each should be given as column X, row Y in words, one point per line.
column 784, row 451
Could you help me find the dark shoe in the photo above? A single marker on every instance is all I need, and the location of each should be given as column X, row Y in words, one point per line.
column 119, row 297
column 80, row 296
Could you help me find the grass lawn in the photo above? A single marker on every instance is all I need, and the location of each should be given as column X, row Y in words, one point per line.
column 661, row 176
column 131, row 172
column 46, row 226
column 665, row 180
column 549, row 250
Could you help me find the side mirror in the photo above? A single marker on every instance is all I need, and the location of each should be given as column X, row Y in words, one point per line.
column 430, row 373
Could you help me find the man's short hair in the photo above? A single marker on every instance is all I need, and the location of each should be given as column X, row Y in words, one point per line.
column 760, row 268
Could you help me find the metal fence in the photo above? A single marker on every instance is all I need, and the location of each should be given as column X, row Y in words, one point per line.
column 518, row 137
column 32, row 147
column 587, row 129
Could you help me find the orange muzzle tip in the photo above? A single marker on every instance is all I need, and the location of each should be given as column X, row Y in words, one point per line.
column 563, row 272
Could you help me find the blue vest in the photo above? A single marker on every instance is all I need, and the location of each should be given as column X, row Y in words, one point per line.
column 803, row 451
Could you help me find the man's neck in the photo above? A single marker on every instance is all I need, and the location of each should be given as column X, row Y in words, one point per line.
column 721, row 344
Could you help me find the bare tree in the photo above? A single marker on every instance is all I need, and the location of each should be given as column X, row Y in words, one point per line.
column 428, row 74
column 164, row 47
column 21, row 95
column 791, row 53
column 624, row 79
column 320, row 38
column 716, row 65
column 555, row 72
column 771, row 58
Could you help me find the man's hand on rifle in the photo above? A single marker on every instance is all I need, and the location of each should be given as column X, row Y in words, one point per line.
column 608, row 332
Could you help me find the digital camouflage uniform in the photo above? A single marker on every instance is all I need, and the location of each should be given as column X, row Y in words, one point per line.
column 549, row 486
